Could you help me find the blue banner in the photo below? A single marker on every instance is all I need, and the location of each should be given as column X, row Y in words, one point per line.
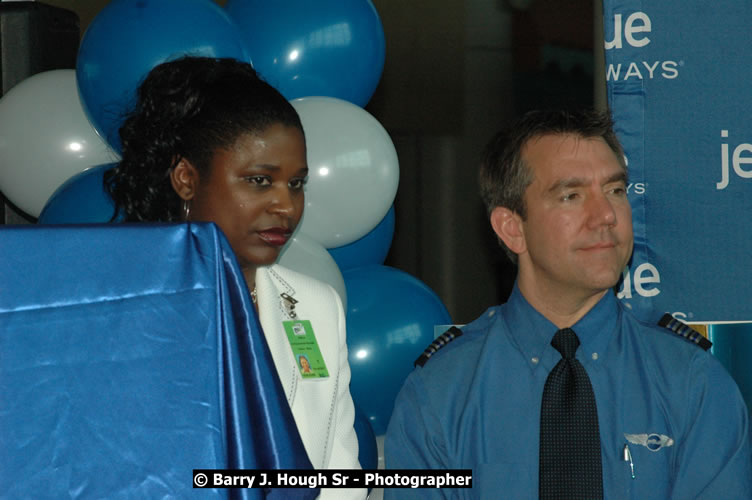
column 678, row 78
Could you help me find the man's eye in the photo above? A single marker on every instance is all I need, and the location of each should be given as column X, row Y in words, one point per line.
column 569, row 197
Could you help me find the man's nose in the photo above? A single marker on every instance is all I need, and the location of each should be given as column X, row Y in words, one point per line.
column 601, row 211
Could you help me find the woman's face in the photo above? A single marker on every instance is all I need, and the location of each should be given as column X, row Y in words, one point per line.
column 254, row 193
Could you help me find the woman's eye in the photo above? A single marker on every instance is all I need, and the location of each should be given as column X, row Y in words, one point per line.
column 298, row 184
column 259, row 180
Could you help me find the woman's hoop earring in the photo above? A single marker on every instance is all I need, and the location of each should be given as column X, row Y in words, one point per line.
column 186, row 210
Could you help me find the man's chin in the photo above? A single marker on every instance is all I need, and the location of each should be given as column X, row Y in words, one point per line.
column 605, row 280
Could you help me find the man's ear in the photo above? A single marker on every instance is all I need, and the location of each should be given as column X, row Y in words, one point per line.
column 508, row 227
column 184, row 179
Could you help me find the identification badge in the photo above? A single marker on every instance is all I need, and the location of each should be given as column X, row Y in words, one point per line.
column 305, row 348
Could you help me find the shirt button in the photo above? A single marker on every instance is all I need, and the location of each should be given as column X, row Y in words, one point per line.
column 595, row 356
column 491, row 313
column 534, row 360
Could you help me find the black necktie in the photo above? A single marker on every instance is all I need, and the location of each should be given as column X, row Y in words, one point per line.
column 570, row 445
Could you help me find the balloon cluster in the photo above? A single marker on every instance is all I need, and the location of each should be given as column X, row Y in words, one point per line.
column 59, row 133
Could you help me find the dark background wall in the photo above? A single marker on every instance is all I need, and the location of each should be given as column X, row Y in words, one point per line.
column 455, row 73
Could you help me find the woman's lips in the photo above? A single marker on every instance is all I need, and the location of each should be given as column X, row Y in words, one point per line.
column 276, row 236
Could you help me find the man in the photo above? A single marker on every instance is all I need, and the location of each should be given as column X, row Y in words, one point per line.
column 670, row 420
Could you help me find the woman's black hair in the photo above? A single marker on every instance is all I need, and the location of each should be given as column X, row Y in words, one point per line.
column 187, row 108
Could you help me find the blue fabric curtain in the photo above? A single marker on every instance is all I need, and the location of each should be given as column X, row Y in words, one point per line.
column 678, row 76
column 129, row 356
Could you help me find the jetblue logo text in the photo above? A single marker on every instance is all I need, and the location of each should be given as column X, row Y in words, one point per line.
column 740, row 157
column 634, row 31
column 636, row 188
column 643, row 281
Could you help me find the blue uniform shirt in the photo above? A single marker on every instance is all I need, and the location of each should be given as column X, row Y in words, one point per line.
column 476, row 405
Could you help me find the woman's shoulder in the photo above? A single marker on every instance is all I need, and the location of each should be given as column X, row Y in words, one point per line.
column 314, row 300
column 300, row 283
column 279, row 271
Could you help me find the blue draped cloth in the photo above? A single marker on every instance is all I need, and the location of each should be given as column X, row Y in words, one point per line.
column 677, row 74
column 129, row 356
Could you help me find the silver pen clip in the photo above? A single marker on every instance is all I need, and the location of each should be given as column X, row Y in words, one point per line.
column 627, row 457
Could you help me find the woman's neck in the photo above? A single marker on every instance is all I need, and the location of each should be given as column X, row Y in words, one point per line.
column 249, row 273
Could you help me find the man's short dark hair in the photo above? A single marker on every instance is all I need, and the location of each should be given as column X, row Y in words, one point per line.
column 504, row 175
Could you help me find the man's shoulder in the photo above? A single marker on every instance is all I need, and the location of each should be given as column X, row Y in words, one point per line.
column 674, row 353
column 669, row 336
column 458, row 346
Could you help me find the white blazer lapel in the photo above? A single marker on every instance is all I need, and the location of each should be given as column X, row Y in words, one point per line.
column 271, row 317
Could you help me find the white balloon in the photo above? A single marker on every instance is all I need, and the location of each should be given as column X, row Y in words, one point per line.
column 353, row 170
column 45, row 138
column 306, row 256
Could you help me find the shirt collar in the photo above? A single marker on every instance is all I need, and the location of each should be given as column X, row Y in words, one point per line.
column 532, row 332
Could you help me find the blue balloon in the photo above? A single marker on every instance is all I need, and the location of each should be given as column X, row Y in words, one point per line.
column 371, row 249
column 129, row 37
column 368, row 452
column 324, row 48
column 390, row 321
column 81, row 199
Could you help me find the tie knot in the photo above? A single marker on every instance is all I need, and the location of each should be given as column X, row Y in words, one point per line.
column 566, row 342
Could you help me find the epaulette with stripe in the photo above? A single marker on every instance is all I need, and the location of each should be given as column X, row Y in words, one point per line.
column 684, row 331
column 437, row 344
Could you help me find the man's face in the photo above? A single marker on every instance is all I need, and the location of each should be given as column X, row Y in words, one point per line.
column 578, row 229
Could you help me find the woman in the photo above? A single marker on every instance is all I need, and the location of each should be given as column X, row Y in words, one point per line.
column 210, row 141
